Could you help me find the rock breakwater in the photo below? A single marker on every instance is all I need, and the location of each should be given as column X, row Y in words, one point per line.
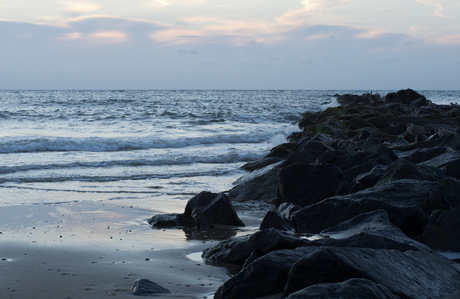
column 362, row 197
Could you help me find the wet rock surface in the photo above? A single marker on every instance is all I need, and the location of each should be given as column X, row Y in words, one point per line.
column 145, row 287
column 204, row 210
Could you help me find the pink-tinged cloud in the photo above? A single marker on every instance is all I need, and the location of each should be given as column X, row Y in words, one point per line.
column 437, row 5
column 371, row 34
column 163, row 3
column 79, row 6
column 108, row 37
column 453, row 40
column 72, row 36
column 297, row 17
column 176, row 36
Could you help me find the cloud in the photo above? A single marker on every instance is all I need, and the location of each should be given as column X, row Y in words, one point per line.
column 72, row 36
column 452, row 40
column 97, row 29
column 176, row 36
column 163, row 3
column 238, row 32
column 437, row 5
column 310, row 8
column 108, row 37
column 79, row 6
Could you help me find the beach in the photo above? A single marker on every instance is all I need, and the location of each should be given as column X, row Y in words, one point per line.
column 98, row 249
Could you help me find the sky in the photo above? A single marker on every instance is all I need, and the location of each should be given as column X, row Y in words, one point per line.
column 223, row 44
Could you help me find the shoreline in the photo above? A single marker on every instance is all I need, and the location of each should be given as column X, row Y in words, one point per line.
column 98, row 249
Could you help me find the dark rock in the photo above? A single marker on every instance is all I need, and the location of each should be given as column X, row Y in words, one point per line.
column 423, row 154
column 305, row 184
column 453, row 169
column 410, row 274
column 402, row 169
column 448, row 162
column 233, row 251
column 273, row 219
column 381, row 121
column 369, row 179
column 166, row 220
column 451, row 187
column 339, row 158
column 313, row 145
column 303, row 156
column 344, row 188
column 259, row 185
column 279, row 152
column 390, row 131
column 349, row 289
column 406, row 119
column 403, row 96
column 287, row 209
column 318, row 136
column 208, row 209
column 442, row 231
column 419, row 102
column 358, row 123
column 145, row 287
column 407, row 202
column 237, row 250
column 454, row 295
column 368, row 230
column 265, row 276
column 305, row 122
column 347, row 99
column 265, row 161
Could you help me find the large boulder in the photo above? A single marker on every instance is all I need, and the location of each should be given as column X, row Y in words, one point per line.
column 233, row 251
column 349, row 289
column 279, row 218
column 448, row 162
column 406, row 96
column 402, row 169
column 451, row 187
column 423, row 154
column 369, row 179
column 442, row 231
column 204, row 210
column 273, row 219
column 208, row 209
column 265, row 276
column 407, row 202
column 304, row 156
column 351, row 173
column 410, row 274
column 239, row 249
column 305, row 184
column 259, row 185
column 368, row 230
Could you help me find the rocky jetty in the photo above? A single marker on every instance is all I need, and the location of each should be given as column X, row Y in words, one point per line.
column 362, row 197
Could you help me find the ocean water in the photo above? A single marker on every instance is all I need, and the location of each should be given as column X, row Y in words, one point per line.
column 141, row 146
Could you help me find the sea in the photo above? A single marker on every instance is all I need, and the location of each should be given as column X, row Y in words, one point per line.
column 144, row 145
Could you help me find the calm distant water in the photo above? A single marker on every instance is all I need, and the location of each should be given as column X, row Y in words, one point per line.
column 62, row 146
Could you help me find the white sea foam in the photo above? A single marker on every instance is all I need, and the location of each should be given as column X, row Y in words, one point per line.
column 97, row 144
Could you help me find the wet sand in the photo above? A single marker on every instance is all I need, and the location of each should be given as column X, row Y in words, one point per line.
column 98, row 249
